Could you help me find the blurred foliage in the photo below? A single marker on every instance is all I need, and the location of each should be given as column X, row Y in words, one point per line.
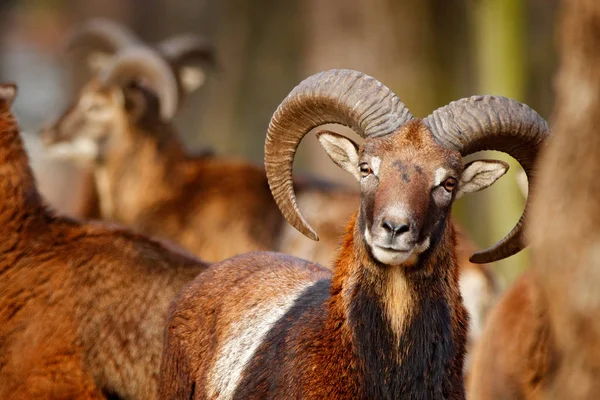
column 499, row 27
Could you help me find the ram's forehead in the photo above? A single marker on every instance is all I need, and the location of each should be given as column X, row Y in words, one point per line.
column 96, row 86
column 412, row 142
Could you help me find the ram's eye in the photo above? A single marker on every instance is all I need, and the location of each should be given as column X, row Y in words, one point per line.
column 449, row 184
column 94, row 108
column 365, row 170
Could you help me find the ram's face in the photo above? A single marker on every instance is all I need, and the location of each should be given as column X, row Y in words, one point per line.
column 81, row 132
column 408, row 183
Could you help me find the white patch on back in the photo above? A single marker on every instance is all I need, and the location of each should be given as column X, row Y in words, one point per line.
column 473, row 288
column 244, row 338
column 440, row 175
column 474, row 291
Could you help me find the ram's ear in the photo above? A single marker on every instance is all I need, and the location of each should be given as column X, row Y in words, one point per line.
column 8, row 93
column 342, row 151
column 479, row 175
column 191, row 77
column 192, row 57
column 139, row 102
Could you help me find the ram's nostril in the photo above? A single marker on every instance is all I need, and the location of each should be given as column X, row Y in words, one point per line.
column 395, row 228
column 402, row 229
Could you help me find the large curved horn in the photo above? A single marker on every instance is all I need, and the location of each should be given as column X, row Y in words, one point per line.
column 337, row 96
column 493, row 123
column 144, row 64
column 102, row 35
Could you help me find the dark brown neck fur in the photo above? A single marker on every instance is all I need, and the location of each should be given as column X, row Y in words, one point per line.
column 339, row 341
column 423, row 349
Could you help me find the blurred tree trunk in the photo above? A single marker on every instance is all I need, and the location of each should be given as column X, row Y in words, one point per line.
column 388, row 39
column 565, row 227
column 203, row 18
column 541, row 50
column 148, row 19
column 499, row 32
column 271, row 71
column 217, row 128
column 259, row 50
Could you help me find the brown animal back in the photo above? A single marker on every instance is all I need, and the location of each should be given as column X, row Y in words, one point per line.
column 229, row 309
column 512, row 358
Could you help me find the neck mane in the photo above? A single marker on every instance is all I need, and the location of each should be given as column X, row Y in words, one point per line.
column 406, row 326
column 20, row 202
column 139, row 171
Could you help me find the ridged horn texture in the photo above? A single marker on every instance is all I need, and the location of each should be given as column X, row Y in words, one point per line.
column 102, row 35
column 493, row 123
column 184, row 49
column 144, row 64
column 337, row 96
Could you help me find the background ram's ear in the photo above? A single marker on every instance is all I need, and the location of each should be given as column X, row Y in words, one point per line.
column 140, row 102
column 342, row 151
column 479, row 175
column 8, row 92
column 191, row 77
column 191, row 56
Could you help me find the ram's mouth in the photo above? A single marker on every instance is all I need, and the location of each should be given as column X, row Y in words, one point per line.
column 394, row 249
column 390, row 256
column 399, row 255
column 396, row 254
column 80, row 150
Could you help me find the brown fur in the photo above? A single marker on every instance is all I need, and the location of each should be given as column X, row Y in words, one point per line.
column 218, row 208
column 514, row 358
column 323, row 365
column 87, row 206
column 480, row 290
column 369, row 331
column 82, row 306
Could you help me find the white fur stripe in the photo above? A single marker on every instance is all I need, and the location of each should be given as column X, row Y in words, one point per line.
column 375, row 165
column 440, row 174
column 244, row 338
